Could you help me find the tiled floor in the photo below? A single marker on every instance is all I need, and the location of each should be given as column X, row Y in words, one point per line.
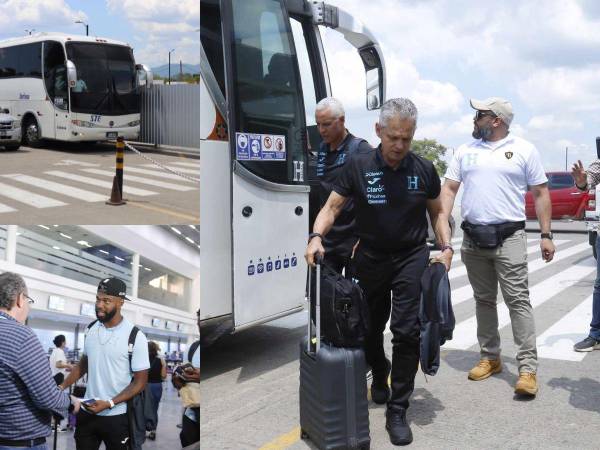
column 167, row 435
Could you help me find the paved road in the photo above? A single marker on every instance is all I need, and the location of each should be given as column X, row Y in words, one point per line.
column 250, row 380
column 69, row 183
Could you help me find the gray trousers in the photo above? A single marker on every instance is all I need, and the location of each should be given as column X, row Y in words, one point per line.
column 507, row 266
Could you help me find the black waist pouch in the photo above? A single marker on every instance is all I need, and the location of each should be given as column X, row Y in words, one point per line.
column 491, row 236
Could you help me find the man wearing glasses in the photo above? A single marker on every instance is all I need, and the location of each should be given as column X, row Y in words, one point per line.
column 28, row 393
column 496, row 169
column 111, row 383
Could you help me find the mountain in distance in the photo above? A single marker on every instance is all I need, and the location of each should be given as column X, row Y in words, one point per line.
column 163, row 70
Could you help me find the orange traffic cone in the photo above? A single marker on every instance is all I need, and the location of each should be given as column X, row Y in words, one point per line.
column 116, row 198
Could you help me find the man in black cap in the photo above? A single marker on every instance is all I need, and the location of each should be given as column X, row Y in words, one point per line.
column 111, row 379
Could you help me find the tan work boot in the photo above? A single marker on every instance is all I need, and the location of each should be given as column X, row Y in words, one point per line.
column 484, row 369
column 526, row 384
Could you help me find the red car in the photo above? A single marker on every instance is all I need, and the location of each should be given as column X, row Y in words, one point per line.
column 568, row 202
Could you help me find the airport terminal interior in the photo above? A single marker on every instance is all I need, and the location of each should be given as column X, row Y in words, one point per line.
column 62, row 265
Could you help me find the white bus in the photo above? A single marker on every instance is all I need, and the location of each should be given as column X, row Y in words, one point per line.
column 71, row 88
column 263, row 69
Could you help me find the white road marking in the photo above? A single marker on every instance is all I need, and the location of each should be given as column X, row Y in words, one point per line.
column 156, row 173
column 127, row 177
column 6, row 208
column 100, row 183
column 27, row 197
column 72, row 162
column 195, row 171
column 188, row 164
column 465, row 333
column 59, row 188
column 465, row 293
column 558, row 340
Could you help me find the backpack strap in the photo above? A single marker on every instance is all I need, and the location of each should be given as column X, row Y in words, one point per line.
column 130, row 344
column 192, row 350
column 90, row 325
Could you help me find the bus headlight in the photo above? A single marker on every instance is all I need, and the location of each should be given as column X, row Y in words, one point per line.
column 135, row 123
column 83, row 123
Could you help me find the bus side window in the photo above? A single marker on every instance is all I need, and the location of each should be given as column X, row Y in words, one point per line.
column 55, row 74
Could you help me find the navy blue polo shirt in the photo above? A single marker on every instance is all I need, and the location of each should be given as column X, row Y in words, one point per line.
column 389, row 205
column 341, row 237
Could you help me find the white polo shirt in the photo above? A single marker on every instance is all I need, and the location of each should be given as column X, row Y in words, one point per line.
column 496, row 176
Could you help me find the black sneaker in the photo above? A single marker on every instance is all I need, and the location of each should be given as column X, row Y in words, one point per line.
column 380, row 389
column 397, row 427
column 587, row 345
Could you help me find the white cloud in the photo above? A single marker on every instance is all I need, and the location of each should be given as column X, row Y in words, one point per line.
column 41, row 15
column 551, row 122
column 162, row 25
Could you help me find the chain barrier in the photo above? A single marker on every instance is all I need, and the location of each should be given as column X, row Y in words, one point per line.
column 162, row 166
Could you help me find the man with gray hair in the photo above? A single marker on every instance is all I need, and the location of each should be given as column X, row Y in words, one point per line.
column 337, row 146
column 392, row 189
column 28, row 393
column 497, row 169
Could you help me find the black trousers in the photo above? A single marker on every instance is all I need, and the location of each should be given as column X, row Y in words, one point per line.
column 399, row 273
column 92, row 430
column 190, row 430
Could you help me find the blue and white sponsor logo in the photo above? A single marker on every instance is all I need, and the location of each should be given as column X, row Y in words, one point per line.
column 375, row 189
column 286, row 263
column 251, row 269
column 269, row 266
column 260, row 268
column 278, row 264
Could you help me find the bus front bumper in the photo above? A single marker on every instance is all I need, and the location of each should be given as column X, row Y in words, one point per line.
column 104, row 134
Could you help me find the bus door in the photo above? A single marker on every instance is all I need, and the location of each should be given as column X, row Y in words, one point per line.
column 54, row 120
column 269, row 191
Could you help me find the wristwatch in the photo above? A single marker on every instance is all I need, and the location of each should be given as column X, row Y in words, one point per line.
column 546, row 236
column 312, row 235
column 112, row 404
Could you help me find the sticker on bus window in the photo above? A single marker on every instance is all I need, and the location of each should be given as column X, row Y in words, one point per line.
column 259, row 147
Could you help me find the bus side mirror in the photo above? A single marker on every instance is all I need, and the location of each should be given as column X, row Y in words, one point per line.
column 71, row 73
column 144, row 75
column 374, row 71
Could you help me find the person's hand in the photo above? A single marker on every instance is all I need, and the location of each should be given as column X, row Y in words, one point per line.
column 579, row 173
column 76, row 402
column 445, row 258
column 97, row 406
column 191, row 374
column 177, row 381
column 547, row 247
column 315, row 246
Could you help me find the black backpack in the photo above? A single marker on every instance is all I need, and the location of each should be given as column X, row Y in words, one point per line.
column 436, row 316
column 344, row 310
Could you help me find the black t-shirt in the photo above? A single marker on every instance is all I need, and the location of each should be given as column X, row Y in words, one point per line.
column 390, row 205
column 342, row 237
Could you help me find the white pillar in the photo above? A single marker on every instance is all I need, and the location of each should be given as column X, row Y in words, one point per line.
column 11, row 244
column 135, row 274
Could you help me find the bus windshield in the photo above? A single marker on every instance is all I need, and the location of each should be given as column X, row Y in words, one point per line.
column 106, row 79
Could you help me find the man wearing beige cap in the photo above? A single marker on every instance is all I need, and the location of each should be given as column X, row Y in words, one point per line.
column 496, row 169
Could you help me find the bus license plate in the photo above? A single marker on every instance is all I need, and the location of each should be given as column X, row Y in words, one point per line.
column 111, row 135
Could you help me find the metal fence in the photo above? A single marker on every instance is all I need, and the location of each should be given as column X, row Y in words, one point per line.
column 170, row 115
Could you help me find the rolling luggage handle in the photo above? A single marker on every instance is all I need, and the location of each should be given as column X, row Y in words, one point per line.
column 318, row 261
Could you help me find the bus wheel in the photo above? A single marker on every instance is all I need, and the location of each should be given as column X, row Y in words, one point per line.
column 31, row 136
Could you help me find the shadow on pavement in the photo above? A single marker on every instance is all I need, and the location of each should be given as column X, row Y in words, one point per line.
column 256, row 351
column 424, row 407
column 584, row 393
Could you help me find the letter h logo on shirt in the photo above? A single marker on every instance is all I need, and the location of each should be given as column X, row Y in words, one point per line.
column 413, row 183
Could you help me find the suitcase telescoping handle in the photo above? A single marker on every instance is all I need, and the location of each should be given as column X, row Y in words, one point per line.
column 318, row 261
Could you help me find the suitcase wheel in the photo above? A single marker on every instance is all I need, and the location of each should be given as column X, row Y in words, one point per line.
column 303, row 434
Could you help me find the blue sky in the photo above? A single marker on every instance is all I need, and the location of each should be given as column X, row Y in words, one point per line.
column 543, row 56
column 152, row 27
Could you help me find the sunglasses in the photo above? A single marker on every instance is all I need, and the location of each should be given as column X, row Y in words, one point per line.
column 480, row 114
column 29, row 299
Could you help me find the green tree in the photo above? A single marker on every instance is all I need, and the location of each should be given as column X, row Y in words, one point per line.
column 431, row 150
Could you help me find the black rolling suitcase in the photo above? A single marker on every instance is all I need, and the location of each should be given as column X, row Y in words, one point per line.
column 334, row 411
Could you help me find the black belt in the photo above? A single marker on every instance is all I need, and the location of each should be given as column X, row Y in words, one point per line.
column 23, row 443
